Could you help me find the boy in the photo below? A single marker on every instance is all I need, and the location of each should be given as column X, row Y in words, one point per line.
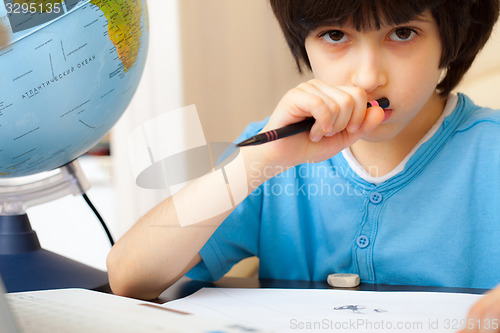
column 406, row 195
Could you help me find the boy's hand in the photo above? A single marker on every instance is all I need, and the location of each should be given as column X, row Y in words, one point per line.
column 341, row 119
column 484, row 316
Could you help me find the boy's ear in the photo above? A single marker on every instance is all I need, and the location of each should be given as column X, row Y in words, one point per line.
column 4, row 35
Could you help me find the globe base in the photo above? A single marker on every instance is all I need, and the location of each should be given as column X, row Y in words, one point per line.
column 26, row 266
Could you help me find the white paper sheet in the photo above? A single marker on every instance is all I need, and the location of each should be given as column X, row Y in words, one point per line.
column 329, row 310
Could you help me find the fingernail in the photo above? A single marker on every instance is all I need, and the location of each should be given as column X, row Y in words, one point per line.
column 315, row 138
column 330, row 134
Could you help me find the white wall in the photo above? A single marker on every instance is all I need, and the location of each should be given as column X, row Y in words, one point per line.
column 482, row 82
column 236, row 64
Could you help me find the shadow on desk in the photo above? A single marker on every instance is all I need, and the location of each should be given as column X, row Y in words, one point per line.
column 186, row 286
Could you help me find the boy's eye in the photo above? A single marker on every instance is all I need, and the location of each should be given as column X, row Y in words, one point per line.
column 334, row 36
column 402, row 34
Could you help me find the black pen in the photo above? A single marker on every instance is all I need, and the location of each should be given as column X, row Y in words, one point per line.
column 292, row 129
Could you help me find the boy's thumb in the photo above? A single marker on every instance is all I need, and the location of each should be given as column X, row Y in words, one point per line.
column 374, row 117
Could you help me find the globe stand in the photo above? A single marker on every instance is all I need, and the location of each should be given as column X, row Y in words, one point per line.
column 24, row 265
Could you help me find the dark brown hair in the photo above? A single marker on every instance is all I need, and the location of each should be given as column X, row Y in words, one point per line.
column 464, row 25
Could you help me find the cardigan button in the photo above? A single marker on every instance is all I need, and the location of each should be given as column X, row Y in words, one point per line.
column 376, row 198
column 362, row 241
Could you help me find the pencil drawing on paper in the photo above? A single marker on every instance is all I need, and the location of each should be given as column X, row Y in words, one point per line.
column 357, row 308
column 353, row 308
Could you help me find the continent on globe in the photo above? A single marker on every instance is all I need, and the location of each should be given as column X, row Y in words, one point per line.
column 66, row 77
column 124, row 27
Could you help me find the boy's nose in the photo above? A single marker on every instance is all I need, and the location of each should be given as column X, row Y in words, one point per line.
column 369, row 72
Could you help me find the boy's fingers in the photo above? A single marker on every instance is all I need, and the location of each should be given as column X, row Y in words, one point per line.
column 343, row 139
column 326, row 116
column 335, row 109
column 306, row 100
column 294, row 107
column 351, row 102
column 359, row 111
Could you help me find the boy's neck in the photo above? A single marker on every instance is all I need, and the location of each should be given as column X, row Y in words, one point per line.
column 380, row 158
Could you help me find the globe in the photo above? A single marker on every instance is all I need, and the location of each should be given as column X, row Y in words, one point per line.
column 67, row 75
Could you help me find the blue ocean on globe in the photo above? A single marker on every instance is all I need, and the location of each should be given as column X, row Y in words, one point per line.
column 67, row 75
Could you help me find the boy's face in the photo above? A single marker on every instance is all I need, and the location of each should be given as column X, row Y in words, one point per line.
column 398, row 62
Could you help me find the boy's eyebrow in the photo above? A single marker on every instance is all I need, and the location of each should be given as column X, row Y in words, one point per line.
column 425, row 17
column 420, row 19
column 417, row 19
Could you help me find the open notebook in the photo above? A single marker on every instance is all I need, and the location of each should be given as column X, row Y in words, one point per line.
column 80, row 310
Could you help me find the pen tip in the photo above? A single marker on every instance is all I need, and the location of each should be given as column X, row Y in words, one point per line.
column 247, row 142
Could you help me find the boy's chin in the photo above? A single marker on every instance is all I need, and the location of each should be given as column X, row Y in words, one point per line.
column 383, row 133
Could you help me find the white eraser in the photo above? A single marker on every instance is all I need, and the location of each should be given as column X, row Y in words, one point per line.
column 343, row 280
